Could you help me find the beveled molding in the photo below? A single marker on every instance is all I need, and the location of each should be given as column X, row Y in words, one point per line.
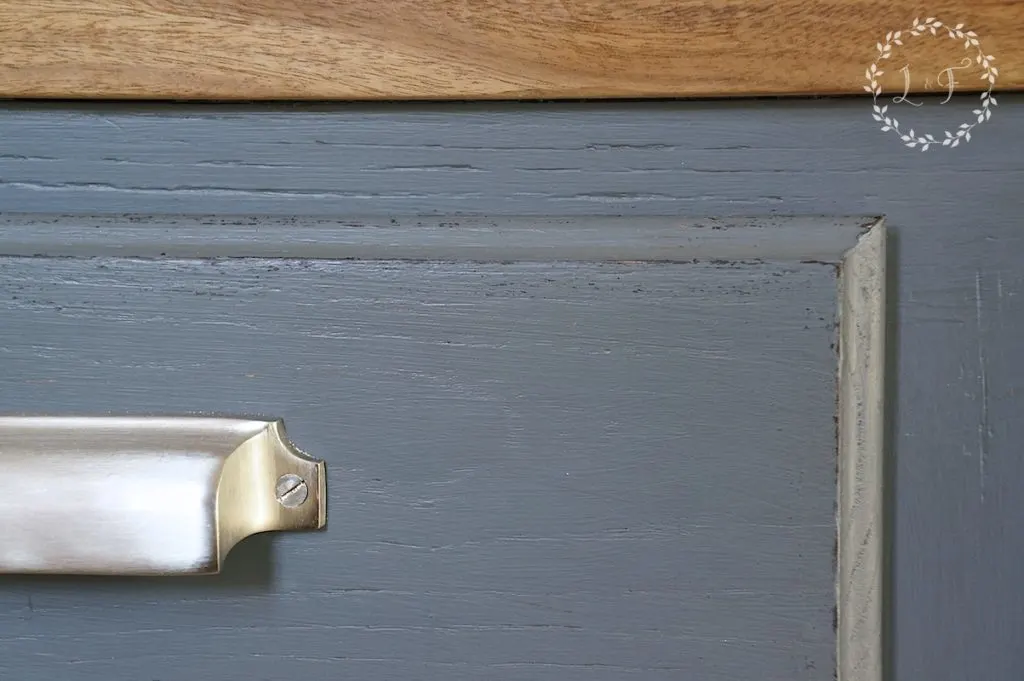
column 854, row 246
column 862, row 413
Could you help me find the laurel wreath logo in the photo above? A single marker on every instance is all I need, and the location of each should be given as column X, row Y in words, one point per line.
column 925, row 141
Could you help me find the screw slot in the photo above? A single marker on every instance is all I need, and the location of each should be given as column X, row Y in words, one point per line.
column 291, row 491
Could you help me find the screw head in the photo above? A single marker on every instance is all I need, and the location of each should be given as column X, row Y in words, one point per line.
column 291, row 490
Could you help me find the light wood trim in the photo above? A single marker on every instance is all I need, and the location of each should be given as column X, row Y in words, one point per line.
column 431, row 49
column 860, row 582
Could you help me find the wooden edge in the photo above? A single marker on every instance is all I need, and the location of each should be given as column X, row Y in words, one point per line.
column 861, row 444
column 519, row 49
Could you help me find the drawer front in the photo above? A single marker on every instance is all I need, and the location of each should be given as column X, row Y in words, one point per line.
column 954, row 393
column 536, row 470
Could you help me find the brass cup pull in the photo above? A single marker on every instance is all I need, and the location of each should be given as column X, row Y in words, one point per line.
column 148, row 495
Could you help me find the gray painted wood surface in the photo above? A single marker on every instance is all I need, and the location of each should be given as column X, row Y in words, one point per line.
column 522, row 484
column 954, row 217
column 476, row 239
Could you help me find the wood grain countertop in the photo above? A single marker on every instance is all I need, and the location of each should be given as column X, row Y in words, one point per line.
column 501, row 49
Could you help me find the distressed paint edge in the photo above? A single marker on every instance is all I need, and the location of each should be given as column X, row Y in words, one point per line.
column 448, row 238
column 861, row 443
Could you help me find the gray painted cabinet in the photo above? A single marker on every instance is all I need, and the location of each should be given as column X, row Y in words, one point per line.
column 575, row 458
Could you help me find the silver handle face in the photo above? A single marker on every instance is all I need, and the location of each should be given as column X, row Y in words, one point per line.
column 148, row 495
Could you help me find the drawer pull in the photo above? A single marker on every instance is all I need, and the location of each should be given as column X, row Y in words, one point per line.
column 148, row 495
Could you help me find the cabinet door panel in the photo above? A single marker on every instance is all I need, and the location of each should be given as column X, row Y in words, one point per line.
column 561, row 470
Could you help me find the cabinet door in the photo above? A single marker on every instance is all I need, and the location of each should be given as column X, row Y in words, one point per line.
column 556, row 449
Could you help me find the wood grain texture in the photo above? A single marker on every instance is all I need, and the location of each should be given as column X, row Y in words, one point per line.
column 488, row 429
column 416, row 49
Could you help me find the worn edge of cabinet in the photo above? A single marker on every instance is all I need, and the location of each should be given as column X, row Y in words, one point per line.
column 467, row 238
column 861, row 411
column 443, row 49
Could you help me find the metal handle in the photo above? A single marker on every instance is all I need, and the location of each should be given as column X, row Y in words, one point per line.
column 147, row 495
